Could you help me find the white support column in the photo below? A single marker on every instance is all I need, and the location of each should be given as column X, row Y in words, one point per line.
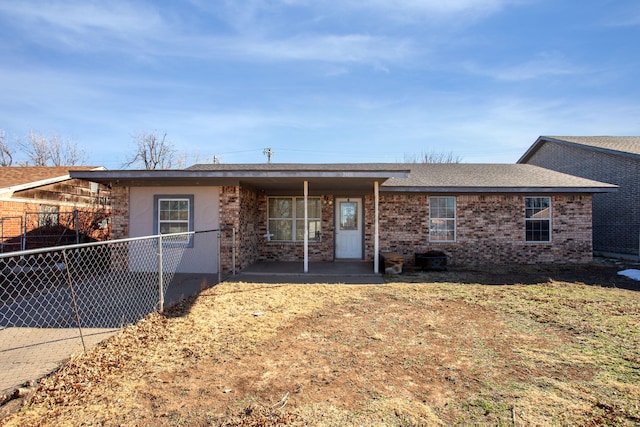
column 306, row 227
column 376, row 236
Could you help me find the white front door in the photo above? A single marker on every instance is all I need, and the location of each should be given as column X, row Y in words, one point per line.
column 349, row 228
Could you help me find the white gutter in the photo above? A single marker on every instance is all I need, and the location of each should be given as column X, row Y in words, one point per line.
column 47, row 181
column 33, row 184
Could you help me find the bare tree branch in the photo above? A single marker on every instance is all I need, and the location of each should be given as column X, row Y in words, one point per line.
column 6, row 158
column 36, row 148
column 152, row 152
column 67, row 152
column 433, row 157
column 51, row 151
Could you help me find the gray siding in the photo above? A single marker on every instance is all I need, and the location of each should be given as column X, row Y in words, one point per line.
column 616, row 216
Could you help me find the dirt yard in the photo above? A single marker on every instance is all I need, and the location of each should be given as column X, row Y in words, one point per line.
column 457, row 347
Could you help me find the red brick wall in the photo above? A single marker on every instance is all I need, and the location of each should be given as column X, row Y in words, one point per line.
column 489, row 228
column 15, row 216
column 120, row 212
column 230, row 217
column 249, row 229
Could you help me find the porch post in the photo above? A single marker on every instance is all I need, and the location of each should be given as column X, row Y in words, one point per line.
column 306, row 227
column 376, row 237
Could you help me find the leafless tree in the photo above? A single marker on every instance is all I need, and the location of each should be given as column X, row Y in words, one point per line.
column 6, row 158
column 433, row 157
column 50, row 151
column 63, row 153
column 36, row 147
column 185, row 159
column 152, row 151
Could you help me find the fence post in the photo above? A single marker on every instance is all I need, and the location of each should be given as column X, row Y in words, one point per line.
column 76, row 226
column 160, row 284
column 24, row 231
column 73, row 297
column 219, row 259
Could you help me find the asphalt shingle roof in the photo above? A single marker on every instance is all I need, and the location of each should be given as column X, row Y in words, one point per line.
column 426, row 177
column 623, row 144
column 12, row 176
column 474, row 177
column 620, row 145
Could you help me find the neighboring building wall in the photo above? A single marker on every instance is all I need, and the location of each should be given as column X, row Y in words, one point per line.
column 490, row 229
column 21, row 211
column 616, row 216
column 11, row 210
column 72, row 192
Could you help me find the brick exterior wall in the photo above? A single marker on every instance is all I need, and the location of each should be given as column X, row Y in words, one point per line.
column 249, row 229
column 120, row 212
column 616, row 216
column 489, row 229
column 22, row 211
column 229, row 217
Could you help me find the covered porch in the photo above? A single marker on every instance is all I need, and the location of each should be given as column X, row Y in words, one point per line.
column 318, row 220
column 345, row 272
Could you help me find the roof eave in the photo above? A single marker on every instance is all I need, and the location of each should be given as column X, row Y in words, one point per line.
column 34, row 184
column 534, row 147
column 184, row 174
column 528, row 190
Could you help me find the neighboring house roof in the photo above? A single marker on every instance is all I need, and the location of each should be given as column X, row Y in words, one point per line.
column 18, row 178
column 628, row 146
column 395, row 177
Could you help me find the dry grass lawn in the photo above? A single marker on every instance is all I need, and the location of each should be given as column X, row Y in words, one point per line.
column 426, row 353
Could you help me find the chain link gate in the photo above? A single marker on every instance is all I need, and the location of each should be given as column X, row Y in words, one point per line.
column 56, row 302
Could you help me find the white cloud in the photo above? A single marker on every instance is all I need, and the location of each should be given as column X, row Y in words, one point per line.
column 543, row 65
column 83, row 24
column 350, row 48
column 141, row 31
column 412, row 10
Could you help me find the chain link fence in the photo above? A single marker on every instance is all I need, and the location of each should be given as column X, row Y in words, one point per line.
column 56, row 302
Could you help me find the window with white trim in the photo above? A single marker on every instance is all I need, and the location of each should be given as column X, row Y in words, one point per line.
column 174, row 214
column 285, row 221
column 442, row 219
column 537, row 219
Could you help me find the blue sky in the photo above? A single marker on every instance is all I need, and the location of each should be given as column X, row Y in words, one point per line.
column 319, row 81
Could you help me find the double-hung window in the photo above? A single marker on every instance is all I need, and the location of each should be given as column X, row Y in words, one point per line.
column 537, row 219
column 442, row 219
column 286, row 218
column 174, row 214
